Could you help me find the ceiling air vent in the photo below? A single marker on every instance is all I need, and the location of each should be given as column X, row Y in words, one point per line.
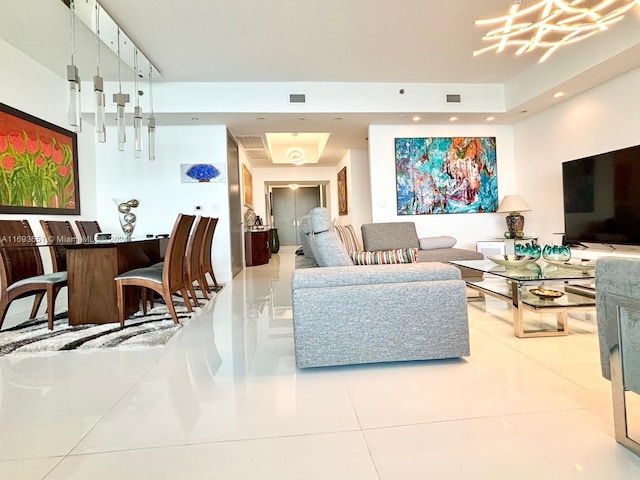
column 454, row 98
column 297, row 98
column 254, row 146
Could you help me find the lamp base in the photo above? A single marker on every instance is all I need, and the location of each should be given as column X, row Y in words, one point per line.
column 515, row 225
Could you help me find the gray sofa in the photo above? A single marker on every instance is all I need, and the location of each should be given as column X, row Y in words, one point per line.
column 393, row 235
column 352, row 314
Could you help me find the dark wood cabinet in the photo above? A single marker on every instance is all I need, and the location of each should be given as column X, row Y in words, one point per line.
column 257, row 249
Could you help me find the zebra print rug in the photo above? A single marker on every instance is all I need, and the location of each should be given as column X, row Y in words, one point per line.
column 140, row 331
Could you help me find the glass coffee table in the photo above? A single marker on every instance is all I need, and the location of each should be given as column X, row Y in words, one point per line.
column 539, row 287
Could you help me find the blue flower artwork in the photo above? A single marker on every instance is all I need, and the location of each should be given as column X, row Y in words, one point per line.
column 446, row 175
column 201, row 172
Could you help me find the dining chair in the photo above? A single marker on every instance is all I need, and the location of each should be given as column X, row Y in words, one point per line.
column 205, row 255
column 58, row 234
column 21, row 271
column 166, row 280
column 193, row 263
column 88, row 229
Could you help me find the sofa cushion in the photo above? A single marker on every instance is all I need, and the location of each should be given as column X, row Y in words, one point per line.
column 319, row 220
column 389, row 236
column 329, row 250
column 348, row 236
column 443, row 241
column 382, row 257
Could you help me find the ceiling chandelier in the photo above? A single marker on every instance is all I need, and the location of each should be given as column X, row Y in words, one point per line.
column 551, row 24
column 296, row 156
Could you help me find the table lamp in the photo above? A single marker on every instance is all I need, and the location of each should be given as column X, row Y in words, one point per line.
column 514, row 204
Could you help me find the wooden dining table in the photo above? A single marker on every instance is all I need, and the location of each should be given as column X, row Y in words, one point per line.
column 91, row 269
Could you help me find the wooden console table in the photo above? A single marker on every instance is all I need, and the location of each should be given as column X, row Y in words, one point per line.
column 257, row 249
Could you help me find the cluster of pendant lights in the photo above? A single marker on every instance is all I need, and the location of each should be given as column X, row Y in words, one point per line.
column 120, row 99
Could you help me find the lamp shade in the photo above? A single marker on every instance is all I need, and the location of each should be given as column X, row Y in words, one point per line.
column 513, row 203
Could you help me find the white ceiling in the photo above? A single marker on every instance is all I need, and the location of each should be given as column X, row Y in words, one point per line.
column 412, row 41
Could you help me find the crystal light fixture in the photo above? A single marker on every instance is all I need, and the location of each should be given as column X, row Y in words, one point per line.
column 75, row 119
column 120, row 99
column 137, row 111
column 98, row 89
column 296, row 156
column 152, row 120
column 551, row 24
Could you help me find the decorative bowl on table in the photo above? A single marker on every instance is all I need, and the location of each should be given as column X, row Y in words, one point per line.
column 546, row 293
column 531, row 249
column 556, row 253
column 512, row 260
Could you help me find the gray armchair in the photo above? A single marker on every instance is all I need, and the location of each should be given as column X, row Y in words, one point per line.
column 618, row 312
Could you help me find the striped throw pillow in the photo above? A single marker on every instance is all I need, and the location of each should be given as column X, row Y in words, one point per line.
column 380, row 257
column 347, row 235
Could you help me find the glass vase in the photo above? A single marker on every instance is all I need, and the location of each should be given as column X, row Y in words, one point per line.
column 556, row 253
column 530, row 249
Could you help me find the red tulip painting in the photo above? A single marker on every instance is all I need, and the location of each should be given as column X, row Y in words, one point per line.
column 38, row 166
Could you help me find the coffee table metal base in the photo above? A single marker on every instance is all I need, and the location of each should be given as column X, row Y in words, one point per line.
column 514, row 295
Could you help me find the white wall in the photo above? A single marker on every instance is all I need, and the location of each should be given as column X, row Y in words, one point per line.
column 31, row 88
column 467, row 228
column 603, row 119
column 158, row 187
column 358, row 189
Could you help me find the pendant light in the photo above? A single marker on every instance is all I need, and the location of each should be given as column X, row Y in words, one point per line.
column 120, row 99
column 98, row 89
column 75, row 119
column 152, row 119
column 137, row 111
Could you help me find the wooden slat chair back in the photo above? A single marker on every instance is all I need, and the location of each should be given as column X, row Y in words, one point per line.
column 193, row 262
column 205, row 255
column 58, row 234
column 21, row 270
column 88, row 229
column 166, row 280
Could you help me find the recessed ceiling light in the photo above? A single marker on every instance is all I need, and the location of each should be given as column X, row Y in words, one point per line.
column 490, row 119
column 416, row 118
column 558, row 95
column 453, row 119
column 260, row 118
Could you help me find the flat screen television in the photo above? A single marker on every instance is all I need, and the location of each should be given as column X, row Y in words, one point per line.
column 602, row 198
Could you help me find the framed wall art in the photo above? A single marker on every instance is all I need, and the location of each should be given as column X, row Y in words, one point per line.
column 247, row 183
column 38, row 166
column 343, row 207
column 202, row 172
column 446, row 175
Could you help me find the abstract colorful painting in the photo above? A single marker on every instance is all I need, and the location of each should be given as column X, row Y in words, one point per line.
column 38, row 166
column 446, row 175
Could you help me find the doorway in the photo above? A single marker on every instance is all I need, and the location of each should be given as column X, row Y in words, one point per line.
column 289, row 206
column 235, row 208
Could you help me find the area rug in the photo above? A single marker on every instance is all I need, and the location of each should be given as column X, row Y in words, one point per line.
column 140, row 331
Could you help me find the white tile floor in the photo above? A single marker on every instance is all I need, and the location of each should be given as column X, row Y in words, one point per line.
column 224, row 401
